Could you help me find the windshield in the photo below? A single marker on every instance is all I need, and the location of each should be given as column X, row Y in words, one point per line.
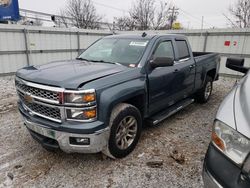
column 127, row 52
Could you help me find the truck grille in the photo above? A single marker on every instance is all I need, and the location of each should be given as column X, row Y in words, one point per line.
column 48, row 101
column 52, row 113
column 45, row 111
column 45, row 94
column 39, row 101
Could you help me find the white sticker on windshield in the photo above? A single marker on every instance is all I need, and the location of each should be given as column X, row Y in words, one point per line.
column 138, row 43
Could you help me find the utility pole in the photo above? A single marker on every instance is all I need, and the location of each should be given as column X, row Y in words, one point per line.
column 202, row 22
column 173, row 13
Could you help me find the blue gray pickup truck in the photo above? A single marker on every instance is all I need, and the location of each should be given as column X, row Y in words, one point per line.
column 99, row 102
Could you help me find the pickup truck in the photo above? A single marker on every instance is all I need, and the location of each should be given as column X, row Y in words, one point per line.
column 99, row 101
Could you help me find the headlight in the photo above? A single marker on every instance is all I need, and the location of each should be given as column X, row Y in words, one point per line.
column 84, row 103
column 80, row 97
column 81, row 114
column 230, row 142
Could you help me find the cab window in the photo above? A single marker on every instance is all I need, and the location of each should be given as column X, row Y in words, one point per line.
column 164, row 49
column 182, row 48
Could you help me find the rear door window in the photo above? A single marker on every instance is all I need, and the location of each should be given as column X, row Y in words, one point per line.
column 182, row 49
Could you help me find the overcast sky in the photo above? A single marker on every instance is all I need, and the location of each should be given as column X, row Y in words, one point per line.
column 191, row 11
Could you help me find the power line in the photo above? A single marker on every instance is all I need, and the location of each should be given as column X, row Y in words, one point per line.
column 173, row 10
column 111, row 7
column 232, row 23
column 200, row 20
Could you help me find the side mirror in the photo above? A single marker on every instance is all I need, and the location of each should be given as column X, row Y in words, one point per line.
column 162, row 62
column 236, row 64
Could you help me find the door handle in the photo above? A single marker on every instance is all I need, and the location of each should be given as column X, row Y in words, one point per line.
column 191, row 66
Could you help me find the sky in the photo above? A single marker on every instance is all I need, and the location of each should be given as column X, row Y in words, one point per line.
column 190, row 11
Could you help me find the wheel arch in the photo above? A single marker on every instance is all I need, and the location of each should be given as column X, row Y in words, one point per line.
column 134, row 95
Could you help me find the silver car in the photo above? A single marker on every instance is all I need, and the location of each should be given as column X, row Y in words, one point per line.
column 227, row 162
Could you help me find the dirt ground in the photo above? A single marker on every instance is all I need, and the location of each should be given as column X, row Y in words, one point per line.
column 169, row 155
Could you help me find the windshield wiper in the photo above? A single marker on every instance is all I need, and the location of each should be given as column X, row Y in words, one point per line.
column 102, row 61
column 97, row 61
column 79, row 58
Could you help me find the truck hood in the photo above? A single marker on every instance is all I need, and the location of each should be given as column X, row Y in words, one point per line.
column 68, row 74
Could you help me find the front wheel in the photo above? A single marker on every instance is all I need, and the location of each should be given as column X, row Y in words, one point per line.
column 205, row 93
column 126, row 126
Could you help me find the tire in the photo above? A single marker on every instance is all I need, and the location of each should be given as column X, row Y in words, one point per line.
column 125, row 130
column 205, row 93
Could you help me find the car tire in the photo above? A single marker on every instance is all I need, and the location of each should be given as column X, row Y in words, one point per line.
column 205, row 93
column 125, row 130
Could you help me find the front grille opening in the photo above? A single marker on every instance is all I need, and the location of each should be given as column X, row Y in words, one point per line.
column 50, row 112
column 51, row 95
column 44, row 110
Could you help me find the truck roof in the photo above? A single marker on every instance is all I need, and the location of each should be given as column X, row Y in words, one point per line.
column 140, row 36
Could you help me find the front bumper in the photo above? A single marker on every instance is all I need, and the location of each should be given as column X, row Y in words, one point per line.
column 219, row 171
column 98, row 140
column 209, row 180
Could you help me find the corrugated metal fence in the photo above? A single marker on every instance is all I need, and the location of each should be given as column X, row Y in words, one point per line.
column 21, row 45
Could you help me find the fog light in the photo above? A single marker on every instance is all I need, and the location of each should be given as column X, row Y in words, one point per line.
column 79, row 141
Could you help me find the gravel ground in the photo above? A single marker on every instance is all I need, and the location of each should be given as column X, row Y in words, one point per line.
column 169, row 155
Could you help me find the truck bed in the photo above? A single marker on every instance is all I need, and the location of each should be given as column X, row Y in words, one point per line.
column 206, row 61
column 204, row 57
column 200, row 56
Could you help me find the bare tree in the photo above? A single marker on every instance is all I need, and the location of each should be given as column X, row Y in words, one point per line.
column 146, row 15
column 165, row 16
column 125, row 23
column 62, row 19
column 83, row 14
column 241, row 13
column 143, row 13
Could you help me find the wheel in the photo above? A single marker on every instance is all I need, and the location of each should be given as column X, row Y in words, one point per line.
column 125, row 130
column 204, row 94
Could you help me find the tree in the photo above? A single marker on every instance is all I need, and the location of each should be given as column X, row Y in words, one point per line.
column 165, row 17
column 82, row 14
column 125, row 23
column 145, row 15
column 241, row 13
column 62, row 19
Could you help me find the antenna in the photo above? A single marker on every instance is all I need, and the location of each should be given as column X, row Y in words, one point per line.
column 144, row 34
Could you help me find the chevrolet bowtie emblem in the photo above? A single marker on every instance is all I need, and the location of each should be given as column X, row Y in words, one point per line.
column 28, row 98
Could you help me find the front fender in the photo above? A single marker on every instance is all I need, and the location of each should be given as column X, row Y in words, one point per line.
column 114, row 95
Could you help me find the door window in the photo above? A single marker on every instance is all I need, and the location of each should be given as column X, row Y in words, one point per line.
column 182, row 49
column 164, row 49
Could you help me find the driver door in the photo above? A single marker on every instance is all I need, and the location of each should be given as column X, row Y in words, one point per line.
column 163, row 82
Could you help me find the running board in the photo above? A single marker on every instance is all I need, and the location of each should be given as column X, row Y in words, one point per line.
column 154, row 120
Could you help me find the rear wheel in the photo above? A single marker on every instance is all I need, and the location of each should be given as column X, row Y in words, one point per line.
column 205, row 93
column 126, row 126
